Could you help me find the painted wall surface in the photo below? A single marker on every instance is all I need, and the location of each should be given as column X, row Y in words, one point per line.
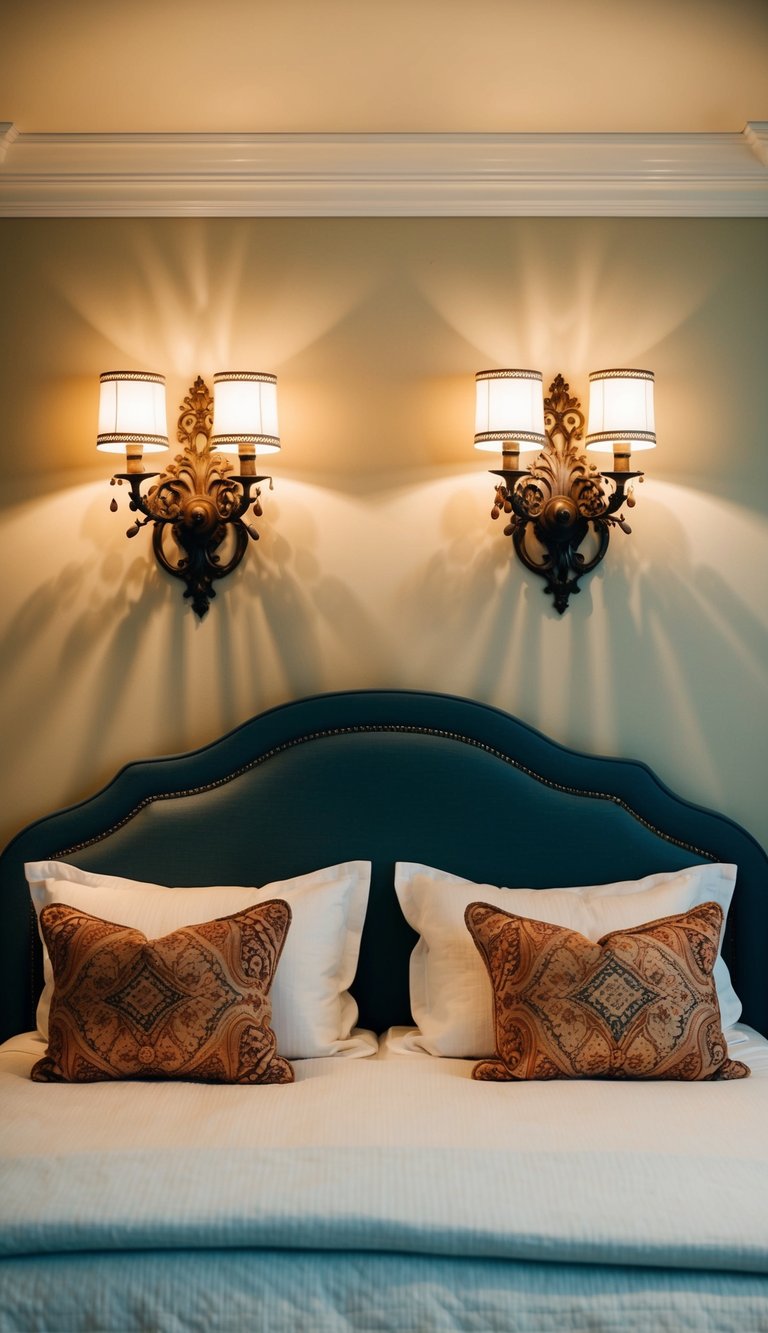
column 384, row 65
column 378, row 564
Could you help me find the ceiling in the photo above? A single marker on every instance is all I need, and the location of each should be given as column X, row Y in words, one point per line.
column 364, row 66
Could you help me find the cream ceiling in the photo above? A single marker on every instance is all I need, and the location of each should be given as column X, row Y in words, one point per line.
column 384, row 65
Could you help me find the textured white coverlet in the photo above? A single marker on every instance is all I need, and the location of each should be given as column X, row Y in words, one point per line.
column 398, row 1153
column 274, row 1291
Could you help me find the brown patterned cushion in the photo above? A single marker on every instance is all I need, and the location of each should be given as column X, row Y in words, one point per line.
column 192, row 1005
column 639, row 1003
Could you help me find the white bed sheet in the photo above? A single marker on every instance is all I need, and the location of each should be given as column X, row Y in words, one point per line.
column 392, row 1099
column 439, row 1196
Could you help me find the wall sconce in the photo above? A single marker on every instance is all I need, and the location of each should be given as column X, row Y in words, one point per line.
column 561, row 498
column 198, row 504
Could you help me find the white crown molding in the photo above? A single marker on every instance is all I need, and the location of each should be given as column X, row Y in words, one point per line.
column 756, row 135
column 379, row 175
column 8, row 135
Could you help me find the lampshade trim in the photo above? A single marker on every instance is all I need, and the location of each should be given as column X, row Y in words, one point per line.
column 622, row 374
column 131, row 437
column 529, row 436
column 608, row 436
column 509, row 375
column 242, row 438
column 250, row 376
column 140, row 376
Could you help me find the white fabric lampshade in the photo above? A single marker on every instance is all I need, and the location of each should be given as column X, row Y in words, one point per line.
column 509, row 405
column 621, row 415
column 132, row 411
column 245, row 412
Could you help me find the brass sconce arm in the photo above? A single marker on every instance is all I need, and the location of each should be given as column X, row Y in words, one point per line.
column 198, row 506
column 227, row 501
column 559, row 523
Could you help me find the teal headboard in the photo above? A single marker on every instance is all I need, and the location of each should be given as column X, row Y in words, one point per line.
column 384, row 776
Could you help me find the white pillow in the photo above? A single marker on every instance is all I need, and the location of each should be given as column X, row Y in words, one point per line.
column 312, row 1010
column 451, row 998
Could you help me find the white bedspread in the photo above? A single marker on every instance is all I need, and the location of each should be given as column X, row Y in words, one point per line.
column 396, row 1153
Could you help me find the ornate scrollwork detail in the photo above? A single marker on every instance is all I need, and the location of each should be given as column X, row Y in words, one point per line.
column 196, row 414
column 196, row 506
column 555, row 502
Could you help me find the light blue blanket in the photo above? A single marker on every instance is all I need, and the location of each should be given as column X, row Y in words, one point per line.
column 484, row 1203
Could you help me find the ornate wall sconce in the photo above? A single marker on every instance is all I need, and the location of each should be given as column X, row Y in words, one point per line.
column 561, row 501
column 198, row 505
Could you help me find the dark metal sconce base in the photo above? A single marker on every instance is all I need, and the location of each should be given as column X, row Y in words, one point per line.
column 553, row 504
column 197, row 506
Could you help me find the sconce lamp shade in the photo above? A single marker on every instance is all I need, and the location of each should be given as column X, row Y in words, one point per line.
column 621, row 416
column 132, row 411
column 245, row 412
column 509, row 405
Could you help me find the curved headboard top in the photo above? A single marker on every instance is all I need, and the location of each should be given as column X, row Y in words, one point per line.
column 384, row 776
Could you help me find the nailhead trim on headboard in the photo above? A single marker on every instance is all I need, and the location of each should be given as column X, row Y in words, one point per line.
column 390, row 728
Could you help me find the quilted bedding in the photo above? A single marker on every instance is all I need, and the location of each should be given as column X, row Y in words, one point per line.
column 446, row 1203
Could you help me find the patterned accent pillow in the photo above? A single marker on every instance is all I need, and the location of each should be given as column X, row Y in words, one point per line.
column 639, row 1003
column 191, row 1005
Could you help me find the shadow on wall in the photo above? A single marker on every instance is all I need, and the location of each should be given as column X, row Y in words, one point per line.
column 641, row 662
column 410, row 589
column 112, row 663
column 321, row 634
column 703, row 644
column 496, row 635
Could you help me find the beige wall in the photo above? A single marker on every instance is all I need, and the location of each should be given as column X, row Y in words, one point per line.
column 387, row 65
column 378, row 564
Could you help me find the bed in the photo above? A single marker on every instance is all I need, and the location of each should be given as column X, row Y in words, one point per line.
column 385, row 1187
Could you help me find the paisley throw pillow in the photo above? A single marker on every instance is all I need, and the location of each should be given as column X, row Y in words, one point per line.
column 191, row 1005
column 639, row 1003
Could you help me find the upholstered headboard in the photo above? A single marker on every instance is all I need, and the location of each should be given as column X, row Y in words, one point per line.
column 384, row 776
